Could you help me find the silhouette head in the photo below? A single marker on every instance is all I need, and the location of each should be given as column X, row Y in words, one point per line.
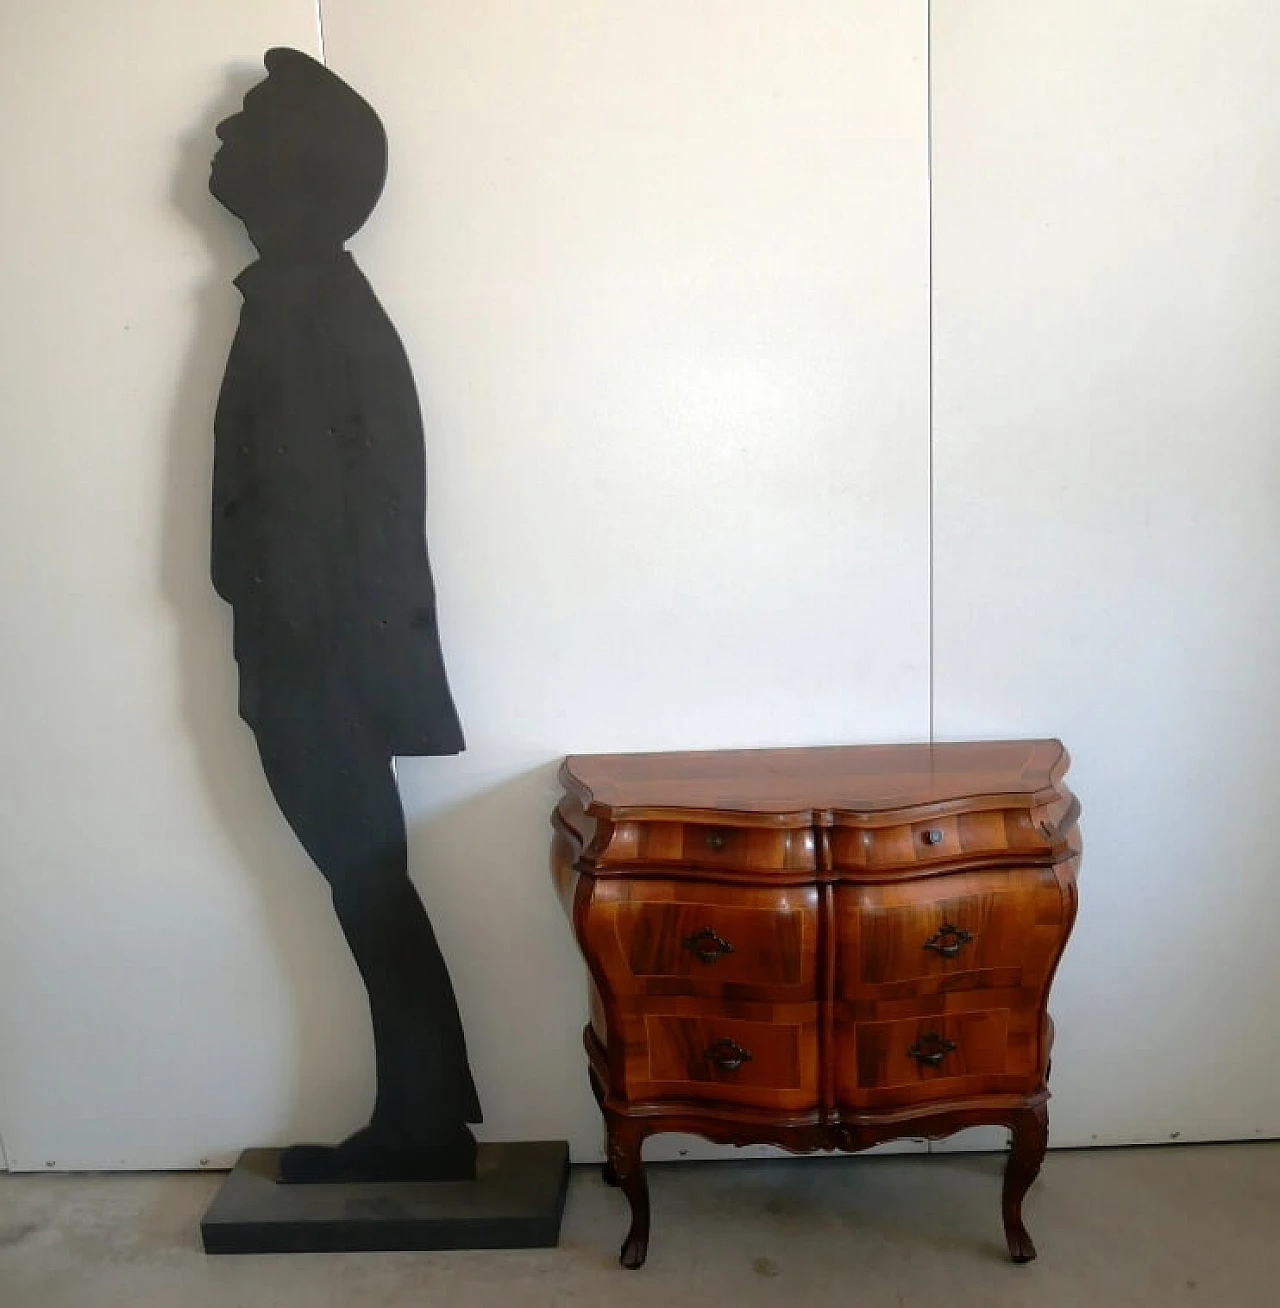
column 303, row 163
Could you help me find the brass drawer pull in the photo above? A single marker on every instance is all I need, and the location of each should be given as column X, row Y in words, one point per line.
column 706, row 946
column 932, row 1049
column 948, row 940
column 715, row 840
column 933, row 836
column 728, row 1055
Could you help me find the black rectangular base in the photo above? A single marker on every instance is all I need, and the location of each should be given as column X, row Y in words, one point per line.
column 515, row 1202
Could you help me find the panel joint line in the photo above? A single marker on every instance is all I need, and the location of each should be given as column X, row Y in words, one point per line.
column 928, row 73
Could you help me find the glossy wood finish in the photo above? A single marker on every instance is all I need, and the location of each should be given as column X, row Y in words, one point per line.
column 960, row 930
column 666, row 937
column 709, row 845
column 779, row 785
column 945, row 839
column 763, row 1056
column 820, row 948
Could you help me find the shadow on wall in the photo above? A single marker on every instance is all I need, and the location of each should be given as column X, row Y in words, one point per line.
column 332, row 1072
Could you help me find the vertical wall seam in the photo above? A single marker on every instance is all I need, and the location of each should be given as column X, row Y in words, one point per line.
column 930, row 1145
column 928, row 73
column 320, row 30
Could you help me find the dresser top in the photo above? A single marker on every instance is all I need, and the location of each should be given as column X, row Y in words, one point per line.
column 846, row 778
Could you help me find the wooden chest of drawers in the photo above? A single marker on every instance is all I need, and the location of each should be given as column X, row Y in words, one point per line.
column 820, row 948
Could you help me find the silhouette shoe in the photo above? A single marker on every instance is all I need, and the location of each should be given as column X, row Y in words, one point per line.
column 372, row 1155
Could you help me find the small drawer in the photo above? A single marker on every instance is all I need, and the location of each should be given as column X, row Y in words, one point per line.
column 954, row 931
column 710, row 1057
column 916, row 1060
column 679, row 938
column 911, row 845
column 711, row 846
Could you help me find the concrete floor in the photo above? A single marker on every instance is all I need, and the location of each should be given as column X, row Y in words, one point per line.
column 1166, row 1226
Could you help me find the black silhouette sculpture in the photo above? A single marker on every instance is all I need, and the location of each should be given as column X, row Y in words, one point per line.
column 318, row 546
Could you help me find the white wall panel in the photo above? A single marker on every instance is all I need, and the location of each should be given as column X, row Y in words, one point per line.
column 1107, row 277
column 661, row 271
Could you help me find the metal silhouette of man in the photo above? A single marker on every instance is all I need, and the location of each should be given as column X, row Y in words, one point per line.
column 318, row 545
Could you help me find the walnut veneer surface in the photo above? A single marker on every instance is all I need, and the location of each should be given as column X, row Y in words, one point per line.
column 820, row 948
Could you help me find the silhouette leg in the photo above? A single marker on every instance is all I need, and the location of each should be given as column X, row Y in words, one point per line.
column 335, row 787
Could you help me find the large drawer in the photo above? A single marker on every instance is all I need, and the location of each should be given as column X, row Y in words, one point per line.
column 657, row 937
column 914, row 1060
column 996, row 928
column 697, row 1052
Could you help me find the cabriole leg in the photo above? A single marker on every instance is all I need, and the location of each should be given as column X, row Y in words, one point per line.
column 1030, row 1140
column 607, row 1174
column 627, row 1168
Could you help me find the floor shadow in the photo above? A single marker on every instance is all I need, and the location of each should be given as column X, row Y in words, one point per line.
column 293, row 896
